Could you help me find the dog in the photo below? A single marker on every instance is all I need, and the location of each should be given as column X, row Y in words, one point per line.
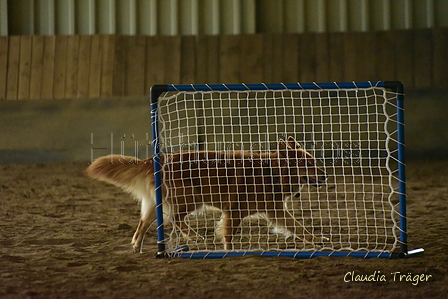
column 240, row 184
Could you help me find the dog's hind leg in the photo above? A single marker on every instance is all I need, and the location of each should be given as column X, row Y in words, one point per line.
column 148, row 216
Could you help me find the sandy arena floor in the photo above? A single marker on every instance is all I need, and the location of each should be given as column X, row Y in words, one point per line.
column 66, row 236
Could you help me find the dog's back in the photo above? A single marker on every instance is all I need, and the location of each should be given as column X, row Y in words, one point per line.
column 219, row 178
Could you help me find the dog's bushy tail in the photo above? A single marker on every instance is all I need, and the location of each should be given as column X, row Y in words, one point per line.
column 129, row 173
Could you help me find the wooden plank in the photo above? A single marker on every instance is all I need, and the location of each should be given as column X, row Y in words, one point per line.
column 71, row 79
column 95, row 67
column 404, row 56
column 155, row 61
column 252, row 54
column 440, row 61
column 350, row 49
column 83, row 80
column 322, row 57
column 213, row 59
column 60, row 66
column 172, row 59
column 290, row 58
column 230, row 59
column 268, row 50
column 207, row 59
column 129, row 62
column 119, row 66
column 48, row 67
column 385, row 53
column 135, row 66
column 365, row 56
column 336, row 57
column 107, row 65
column 201, row 59
column 13, row 68
column 37, row 57
column 24, row 67
column 307, row 67
column 277, row 58
column 188, row 59
column 3, row 66
column 423, row 58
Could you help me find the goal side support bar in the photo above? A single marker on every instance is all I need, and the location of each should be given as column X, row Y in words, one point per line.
column 155, row 92
column 394, row 86
column 398, row 88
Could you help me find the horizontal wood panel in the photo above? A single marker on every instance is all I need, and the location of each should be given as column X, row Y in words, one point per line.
column 3, row 66
column 35, row 67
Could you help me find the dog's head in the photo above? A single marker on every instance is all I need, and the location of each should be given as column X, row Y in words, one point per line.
column 298, row 166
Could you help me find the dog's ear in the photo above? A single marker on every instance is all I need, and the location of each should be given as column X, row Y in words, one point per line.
column 290, row 144
column 283, row 148
column 293, row 144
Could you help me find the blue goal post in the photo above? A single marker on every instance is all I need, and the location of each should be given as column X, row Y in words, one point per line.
column 354, row 130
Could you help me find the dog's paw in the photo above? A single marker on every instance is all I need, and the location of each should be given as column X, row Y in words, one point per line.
column 282, row 232
column 136, row 248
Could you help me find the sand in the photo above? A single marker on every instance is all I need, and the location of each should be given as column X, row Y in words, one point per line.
column 64, row 235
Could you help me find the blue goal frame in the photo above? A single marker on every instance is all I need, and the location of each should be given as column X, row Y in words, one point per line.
column 394, row 86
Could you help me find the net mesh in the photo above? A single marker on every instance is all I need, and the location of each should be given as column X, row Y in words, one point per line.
column 352, row 134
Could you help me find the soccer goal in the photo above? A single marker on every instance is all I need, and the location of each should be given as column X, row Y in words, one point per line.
column 218, row 154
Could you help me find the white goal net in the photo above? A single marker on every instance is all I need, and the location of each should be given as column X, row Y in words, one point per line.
column 233, row 169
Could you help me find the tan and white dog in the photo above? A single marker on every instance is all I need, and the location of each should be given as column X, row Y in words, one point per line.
column 239, row 184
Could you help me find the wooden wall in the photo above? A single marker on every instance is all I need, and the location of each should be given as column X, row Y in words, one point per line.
column 92, row 66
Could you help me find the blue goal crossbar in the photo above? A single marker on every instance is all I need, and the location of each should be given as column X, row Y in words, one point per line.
column 394, row 86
